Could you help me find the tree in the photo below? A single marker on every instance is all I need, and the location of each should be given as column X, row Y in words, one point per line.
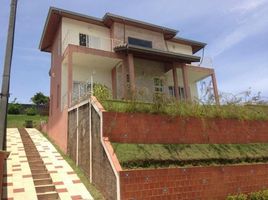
column 40, row 99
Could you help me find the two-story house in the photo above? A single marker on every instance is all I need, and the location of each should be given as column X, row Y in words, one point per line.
column 124, row 54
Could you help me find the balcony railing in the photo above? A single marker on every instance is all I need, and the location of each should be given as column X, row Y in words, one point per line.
column 93, row 41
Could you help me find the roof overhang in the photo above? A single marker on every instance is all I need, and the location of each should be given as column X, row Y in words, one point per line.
column 53, row 21
column 156, row 54
column 109, row 18
column 196, row 46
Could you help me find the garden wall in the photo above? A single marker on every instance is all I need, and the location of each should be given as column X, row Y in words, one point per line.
column 149, row 128
column 193, row 183
column 79, row 147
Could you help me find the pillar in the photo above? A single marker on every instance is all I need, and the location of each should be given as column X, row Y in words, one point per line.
column 70, row 77
column 114, row 83
column 185, row 75
column 215, row 88
column 131, row 72
column 175, row 79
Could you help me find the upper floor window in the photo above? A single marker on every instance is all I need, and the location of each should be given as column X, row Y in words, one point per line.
column 140, row 42
column 90, row 41
column 158, row 85
column 83, row 38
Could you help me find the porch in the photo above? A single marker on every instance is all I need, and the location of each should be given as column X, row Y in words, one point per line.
column 125, row 74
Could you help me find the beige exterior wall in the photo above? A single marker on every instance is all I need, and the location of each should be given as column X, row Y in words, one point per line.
column 100, row 74
column 131, row 31
column 179, row 48
column 71, row 29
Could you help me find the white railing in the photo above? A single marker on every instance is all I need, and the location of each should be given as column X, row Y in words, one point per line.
column 82, row 91
column 92, row 41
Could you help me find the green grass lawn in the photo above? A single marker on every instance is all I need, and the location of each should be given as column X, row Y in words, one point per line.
column 169, row 155
column 18, row 121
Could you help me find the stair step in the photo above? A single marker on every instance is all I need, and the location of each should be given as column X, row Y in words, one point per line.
column 45, row 188
column 36, row 164
column 38, row 167
column 43, row 181
column 47, row 196
column 32, row 156
column 41, row 176
column 38, row 171
column 37, row 161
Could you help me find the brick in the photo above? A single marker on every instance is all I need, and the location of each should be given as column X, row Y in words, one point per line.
column 18, row 190
column 61, row 190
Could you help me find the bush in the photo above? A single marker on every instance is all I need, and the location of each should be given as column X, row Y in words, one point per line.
column 237, row 197
column 14, row 108
column 101, row 92
column 31, row 111
column 260, row 195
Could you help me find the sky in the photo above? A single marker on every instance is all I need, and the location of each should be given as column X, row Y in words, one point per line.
column 236, row 32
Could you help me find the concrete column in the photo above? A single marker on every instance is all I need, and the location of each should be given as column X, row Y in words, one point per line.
column 185, row 75
column 131, row 72
column 114, row 81
column 215, row 88
column 70, row 77
column 124, row 79
column 175, row 79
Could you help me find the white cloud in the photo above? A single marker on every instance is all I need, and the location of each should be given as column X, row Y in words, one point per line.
column 252, row 24
column 247, row 6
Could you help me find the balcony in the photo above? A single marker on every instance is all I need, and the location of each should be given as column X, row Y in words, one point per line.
column 90, row 41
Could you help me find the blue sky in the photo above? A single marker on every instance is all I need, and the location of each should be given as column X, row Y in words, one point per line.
column 236, row 32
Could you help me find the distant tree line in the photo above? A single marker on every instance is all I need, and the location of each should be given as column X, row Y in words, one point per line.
column 40, row 106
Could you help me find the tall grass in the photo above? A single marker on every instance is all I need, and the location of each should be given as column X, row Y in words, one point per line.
column 175, row 108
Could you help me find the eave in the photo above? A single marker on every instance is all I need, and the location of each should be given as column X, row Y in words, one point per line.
column 156, row 53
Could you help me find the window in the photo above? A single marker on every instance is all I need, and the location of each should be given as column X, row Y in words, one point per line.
column 158, row 85
column 80, row 89
column 171, row 92
column 89, row 41
column 139, row 42
column 82, row 39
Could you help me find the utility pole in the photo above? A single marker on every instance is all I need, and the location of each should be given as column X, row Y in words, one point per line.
column 4, row 95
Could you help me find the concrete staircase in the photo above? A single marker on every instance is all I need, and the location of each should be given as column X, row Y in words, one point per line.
column 44, row 187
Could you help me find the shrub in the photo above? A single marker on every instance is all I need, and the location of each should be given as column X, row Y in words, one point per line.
column 260, row 195
column 14, row 108
column 101, row 92
column 237, row 197
column 31, row 111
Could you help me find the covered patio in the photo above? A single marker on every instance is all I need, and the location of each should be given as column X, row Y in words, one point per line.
column 160, row 71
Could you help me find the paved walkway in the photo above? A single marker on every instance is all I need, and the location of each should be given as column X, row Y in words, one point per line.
column 18, row 182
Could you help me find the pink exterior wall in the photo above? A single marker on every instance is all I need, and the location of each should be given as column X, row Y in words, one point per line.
column 57, row 122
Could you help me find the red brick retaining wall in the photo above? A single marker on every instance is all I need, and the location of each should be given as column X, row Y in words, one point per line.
column 147, row 128
column 202, row 183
